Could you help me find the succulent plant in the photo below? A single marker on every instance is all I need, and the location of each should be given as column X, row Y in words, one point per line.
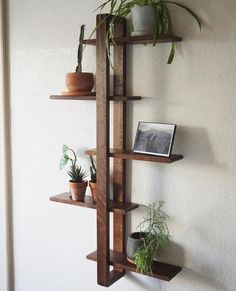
column 76, row 173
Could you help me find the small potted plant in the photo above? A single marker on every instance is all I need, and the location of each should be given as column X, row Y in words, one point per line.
column 92, row 182
column 79, row 82
column 77, row 183
column 148, row 17
column 154, row 235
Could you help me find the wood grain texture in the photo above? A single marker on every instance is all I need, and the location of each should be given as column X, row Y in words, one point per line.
column 103, row 171
column 114, row 206
column 130, row 155
column 139, row 39
column 119, row 141
column 93, row 97
column 160, row 270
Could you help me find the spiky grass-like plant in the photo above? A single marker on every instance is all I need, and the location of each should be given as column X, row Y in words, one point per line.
column 76, row 173
column 157, row 236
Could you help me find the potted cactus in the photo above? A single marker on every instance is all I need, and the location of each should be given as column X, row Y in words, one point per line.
column 92, row 182
column 154, row 235
column 77, row 184
column 79, row 82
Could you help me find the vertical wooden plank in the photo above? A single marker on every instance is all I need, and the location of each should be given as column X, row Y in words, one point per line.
column 102, row 88
column 119, row 168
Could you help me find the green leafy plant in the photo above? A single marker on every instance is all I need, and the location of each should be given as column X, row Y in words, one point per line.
column 162, row 25
column 156, row 236
column 80, row 50
column 76, row 173
column 93, row 171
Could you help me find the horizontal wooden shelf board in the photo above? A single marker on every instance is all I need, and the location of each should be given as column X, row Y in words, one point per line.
column 111, row 98
column 139, row 39
column 67, row 97
column 121, row 207
column 130, row 155
column 160, row 270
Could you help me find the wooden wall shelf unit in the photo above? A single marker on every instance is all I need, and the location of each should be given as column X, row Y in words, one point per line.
column 119, row 205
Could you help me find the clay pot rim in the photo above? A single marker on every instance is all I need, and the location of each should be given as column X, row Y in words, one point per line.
column 92, row 182
column 77, row 73
column 84, row 181
column 137, row 236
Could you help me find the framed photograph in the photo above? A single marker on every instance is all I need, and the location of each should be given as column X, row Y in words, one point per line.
column 154, row 138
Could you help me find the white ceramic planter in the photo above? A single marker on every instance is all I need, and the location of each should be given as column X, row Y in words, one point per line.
column 143, row 20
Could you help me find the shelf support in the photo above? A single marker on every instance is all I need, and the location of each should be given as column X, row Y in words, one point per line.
column 103, row 171
column 119, row 166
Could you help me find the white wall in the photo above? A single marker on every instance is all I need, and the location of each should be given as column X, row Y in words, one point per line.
column 2, row 170
column 197, row 92
column 5, row 194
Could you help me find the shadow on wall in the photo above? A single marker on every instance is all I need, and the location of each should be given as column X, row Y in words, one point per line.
column 202, row 281
column 194, row 144
column 174, row 255
column 190, row 277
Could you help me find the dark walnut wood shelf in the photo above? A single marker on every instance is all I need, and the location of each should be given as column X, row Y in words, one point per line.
column 160, row 270
column 130, row 155
column 139, row 39
column 119, row 207
column 111, row 98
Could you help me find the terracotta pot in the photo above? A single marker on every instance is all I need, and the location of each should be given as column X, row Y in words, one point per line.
column 135, row 241
column 79, row 82
column 143, row 19
column 92, row 186
column 78, row 190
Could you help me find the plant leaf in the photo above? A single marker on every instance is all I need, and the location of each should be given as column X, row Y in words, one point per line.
column 172, row 54
column 65, row 148
column 63, row 162
column 189, row 11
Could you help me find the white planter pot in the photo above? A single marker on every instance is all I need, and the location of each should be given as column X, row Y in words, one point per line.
column 143, row 20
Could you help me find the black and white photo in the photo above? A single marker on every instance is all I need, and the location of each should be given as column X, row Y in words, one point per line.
column 154, row 138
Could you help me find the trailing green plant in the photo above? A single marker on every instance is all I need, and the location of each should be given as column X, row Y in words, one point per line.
column 162, row 25
column 93, row 171
column 156, row 236
column 76, row 173
column 80, row 50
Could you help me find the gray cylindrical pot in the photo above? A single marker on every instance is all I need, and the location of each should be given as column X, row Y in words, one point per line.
column 143, row 19
column 135, row 241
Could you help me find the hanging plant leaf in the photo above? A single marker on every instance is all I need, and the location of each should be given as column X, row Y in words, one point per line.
column 189, row 11
column 172, row 54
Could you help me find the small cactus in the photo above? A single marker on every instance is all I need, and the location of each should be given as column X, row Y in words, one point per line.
column 80, row 50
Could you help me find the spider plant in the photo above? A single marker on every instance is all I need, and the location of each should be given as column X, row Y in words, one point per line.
column 163, row 22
